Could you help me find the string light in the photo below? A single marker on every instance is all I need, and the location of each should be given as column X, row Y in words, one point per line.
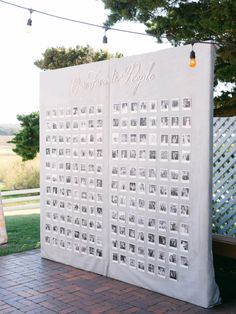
column 192, row 61
column 29, row 22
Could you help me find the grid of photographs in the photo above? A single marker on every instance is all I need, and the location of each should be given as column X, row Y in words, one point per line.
column 74, row 176
column 150, row 185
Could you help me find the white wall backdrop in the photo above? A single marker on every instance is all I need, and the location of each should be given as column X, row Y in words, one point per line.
column 126, row 148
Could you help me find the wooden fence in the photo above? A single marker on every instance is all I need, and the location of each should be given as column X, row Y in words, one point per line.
column 21, row 199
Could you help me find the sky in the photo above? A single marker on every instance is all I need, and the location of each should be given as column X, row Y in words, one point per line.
column 19, row 78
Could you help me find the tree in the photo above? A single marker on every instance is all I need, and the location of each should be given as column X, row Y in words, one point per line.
column 27, row 139
column 60, row 57
column 182, row 21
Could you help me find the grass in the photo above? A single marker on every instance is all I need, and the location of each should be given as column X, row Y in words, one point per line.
column 23, row 234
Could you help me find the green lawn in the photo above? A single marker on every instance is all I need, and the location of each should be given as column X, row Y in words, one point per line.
column 23, row 234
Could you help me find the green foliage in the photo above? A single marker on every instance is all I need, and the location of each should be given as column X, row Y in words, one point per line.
column 60, row 57
column 182, row 21
column 23, row 234
column 27, row 139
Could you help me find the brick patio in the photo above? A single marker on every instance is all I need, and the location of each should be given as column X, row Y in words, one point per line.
column 29, row 284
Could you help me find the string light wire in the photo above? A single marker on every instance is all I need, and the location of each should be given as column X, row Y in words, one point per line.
column 75, row 21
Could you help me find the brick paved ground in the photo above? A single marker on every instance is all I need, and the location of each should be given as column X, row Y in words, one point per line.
column 29, row 284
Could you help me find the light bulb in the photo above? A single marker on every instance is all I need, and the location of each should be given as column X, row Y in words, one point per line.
column 192, row 62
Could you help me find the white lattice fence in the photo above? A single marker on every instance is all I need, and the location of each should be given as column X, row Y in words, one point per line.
column 224, row 176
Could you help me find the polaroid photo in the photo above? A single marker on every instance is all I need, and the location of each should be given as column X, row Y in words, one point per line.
column 83, row 124
column 142, row 138
column 131, row 248
column 124, row 123
column 133, row 154
column 184, row 261
column 122, row 245
column 133, row 107
column 163, row 174
column 174, row 156
column 152, row 122
column 185, row 175
column 185, row 156
column 152, row 205
column 62, row 244
column 162, row 240
column 132, row 172
column 174, row 191
column 151, row 269
column 54, row 125
column 173, row 208
column 76, row 247
column 152, row 173
column 174, row 139
column 141, row 221
column 152, row 189
column 141, row 251
column 114, row 170
column 173, row 226
column 124, row 138
column 163, row 207
column 173, row 275
column 152, row 155
column 142, row 173
column 115, row 154
column 115, row 122
column 132, row 263
column 132, row 233
column 186, row 122
column 99, row 124
column 175, row 104
column 184, row 193
column 141, row 203
column 151, row 253
column 174, row 175
column 48, row 114
column 47, row 240
column 163, row 190
column 124, row 107
column 123, row 171
column 164, row 139
column 143, row 106
column 141, row 188
column 174, row 122
column 152, row 139
column 133, row 138
column 173, row 243
column 143, row 122
column 164, row 105
column 122, row 217
column 164, row 155
column 184, row 229
column 141, row 266
column 141, row 236
column 142, row 154
column 123, row 186
column 151, row 223
column 131, row 218
column 68, row 125
column 161, row 256
column 184, row 245
column 91, row 110
column 173, row 258
column 99, row 108
column 186, row 139
column 132, row 201
column 122, row 231
column 164, row 122
column 153, row 105
column 161, row 271
column 162, row 225
column 187, row 103
column 124, row 154
column 133, row 123
column 132, row 187
column 116, row 108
